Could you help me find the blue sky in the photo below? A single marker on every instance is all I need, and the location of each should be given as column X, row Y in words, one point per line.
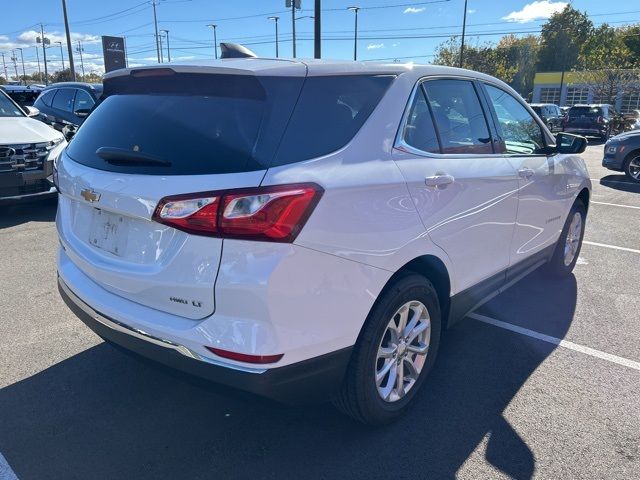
column 400, row 29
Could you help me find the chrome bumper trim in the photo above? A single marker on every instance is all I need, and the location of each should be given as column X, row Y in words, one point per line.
column 142, row 335
column 51, row 191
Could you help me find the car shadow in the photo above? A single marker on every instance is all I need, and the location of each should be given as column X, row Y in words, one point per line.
column 101, row 414
column 32, row 211
column 620, row 182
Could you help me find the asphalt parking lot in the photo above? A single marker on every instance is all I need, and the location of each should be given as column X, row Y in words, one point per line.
column 541, row 382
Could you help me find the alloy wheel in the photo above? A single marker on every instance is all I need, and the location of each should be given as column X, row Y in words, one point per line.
column 402, row 351
column 572, row 241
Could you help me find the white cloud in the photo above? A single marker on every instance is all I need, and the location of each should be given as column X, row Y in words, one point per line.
column 414, row 10
column 395, row 44
column 375, row 46
column 536, row 10
column 471, row 11
column 28, row 38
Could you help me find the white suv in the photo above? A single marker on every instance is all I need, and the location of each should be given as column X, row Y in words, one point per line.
column 304, row 229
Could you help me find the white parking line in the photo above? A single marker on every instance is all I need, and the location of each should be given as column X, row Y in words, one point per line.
column 5, row 470
column 615, row 247
column 614, row 204
column 557, row 341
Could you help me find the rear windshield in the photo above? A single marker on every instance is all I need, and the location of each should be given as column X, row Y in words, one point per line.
column 538, row 110
column 585, row 112
column 194, row 124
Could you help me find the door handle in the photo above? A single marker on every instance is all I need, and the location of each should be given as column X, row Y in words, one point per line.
column 526, row 172
column 439, row 180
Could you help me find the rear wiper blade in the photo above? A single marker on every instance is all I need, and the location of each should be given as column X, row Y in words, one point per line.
column 121, row 156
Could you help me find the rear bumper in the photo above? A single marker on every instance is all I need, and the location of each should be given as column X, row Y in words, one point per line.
column 311, row 380
column 586, row 130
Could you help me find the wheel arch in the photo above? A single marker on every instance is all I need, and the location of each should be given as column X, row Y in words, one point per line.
column 583, row 196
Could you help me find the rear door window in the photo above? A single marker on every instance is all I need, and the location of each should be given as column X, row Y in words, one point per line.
column 519, row 131
column 459, row 118
column 83, row 103
column 419, row 131
column 64, row 99
column 47, row 97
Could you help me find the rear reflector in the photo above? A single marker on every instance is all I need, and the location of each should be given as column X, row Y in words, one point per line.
column 275, row 213
column 243, row 357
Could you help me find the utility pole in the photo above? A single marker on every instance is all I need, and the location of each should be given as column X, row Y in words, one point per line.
column 24, row 75
column 275, row 19
column 464, row 27
column 155, row 22
column 72, row 68
column 355, row 32
column 79, row 49
column 215, row 40
column 166, row 32
column 38, row 57
column 44, row 53
column 293, row 25
column 61, row 54
column 4, row 65
column 317, row 37
column 161, row 51
column 126, row 59
column 14, row 58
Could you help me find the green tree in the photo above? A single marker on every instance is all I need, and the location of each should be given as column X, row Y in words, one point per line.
column 561, row 38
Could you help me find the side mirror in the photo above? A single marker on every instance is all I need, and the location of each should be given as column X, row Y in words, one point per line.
column 32, row 111
column 568, row 143
column 69, row 131
column 82, row 112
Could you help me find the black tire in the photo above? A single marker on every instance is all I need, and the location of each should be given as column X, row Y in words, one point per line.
column 358, row 396
column 635, row 158
column 557, row 265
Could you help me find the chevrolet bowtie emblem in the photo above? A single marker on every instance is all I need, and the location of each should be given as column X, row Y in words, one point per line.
column 89, row 195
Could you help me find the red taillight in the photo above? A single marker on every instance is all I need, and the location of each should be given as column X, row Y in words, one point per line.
column 243, row 357
column 276, row 213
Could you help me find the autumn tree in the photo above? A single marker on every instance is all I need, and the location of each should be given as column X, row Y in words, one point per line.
column 561, row 39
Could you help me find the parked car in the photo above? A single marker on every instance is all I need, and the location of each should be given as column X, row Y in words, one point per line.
column 550, row 114
column 632, row 120
column 363, row 208
column 600, row 120
column 27, row 151
column 67, row 103
column 622, row 154
column 23, row 95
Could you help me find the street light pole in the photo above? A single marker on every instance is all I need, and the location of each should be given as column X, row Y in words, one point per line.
column 464, row 26
column 355, row 32
column 161, row 52
column 215, row 40
column 61, row 55
column 166, row 32
column 72, row 68
column 24, row 75
column 155, row 23
column 275, row 19
column 4, row 65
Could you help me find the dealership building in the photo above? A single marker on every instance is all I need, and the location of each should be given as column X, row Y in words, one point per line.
column 574, row 88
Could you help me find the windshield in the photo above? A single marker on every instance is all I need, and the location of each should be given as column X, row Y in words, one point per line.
column 536, row 109
column 8, row 108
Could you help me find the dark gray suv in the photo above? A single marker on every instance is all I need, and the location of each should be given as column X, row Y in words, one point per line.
column 622, row 154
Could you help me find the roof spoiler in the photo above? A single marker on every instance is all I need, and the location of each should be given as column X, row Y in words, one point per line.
column 234, row 50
